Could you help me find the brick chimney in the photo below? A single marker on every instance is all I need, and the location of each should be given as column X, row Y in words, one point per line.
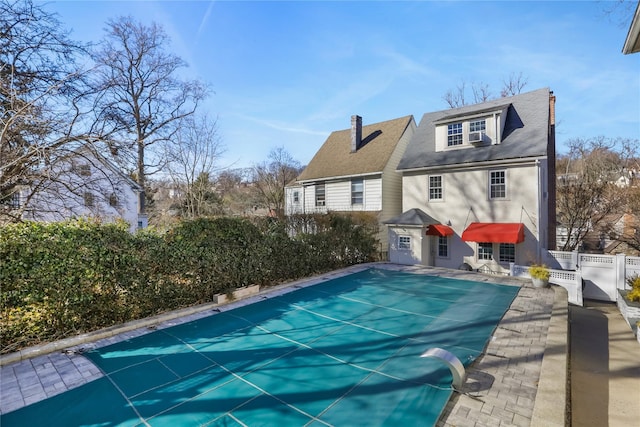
column 356, row 133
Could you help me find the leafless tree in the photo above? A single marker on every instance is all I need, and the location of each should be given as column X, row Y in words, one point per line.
column 270, row 178
column 41, row 93
column 513, row 85
column 192, row 161
column 631, row 232
column 456, row 98
column 588, row 192
column 619, row 12
column 481, row 92
column 141, row 99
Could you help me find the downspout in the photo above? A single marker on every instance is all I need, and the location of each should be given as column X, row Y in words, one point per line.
column 539, row 201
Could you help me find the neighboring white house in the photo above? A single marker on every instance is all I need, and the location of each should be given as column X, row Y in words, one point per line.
column 478, row 186
column 85, row 184
column 355, row 170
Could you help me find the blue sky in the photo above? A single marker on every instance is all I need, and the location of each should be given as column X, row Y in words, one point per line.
column 289, row 73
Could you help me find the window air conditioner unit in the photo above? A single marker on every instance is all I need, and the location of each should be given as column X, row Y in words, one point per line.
column 476, row 137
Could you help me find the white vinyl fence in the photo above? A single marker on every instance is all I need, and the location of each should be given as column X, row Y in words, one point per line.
column 591, row 276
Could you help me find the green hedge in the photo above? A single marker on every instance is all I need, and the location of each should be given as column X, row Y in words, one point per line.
column 59, row 279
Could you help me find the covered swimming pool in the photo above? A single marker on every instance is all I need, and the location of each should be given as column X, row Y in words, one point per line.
column 343, row 352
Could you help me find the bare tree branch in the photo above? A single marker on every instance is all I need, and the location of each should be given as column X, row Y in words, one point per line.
column 192, row 161
column 141, row 100
column 270, row 178
column 41, row 97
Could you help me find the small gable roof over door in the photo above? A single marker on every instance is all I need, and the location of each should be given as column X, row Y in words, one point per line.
column 415, row 217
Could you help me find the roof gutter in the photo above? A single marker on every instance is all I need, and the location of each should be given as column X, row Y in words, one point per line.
column 336, row 178
column 475, row 164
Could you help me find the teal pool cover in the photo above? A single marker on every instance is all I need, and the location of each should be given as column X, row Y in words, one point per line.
column 344, row 352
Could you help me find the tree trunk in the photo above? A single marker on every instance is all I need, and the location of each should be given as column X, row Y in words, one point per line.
column 141, row 180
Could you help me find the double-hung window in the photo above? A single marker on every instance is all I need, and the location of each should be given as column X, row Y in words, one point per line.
column 477, row 126
column 498, row 184
column 11, row 201
column 443, row 246
column 454, row 134
column 320, row 195
column 357, row 191
column 507, row 252
column 296, row 196
column 485, row 251
column 435, row 187
column 404, row 242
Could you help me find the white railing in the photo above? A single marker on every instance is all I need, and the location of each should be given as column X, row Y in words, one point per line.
column 632, row 266
column 570, row 280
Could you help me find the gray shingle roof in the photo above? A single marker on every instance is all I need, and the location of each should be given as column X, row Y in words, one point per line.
column 525, row 133
column 335, row 158
column 412, row 217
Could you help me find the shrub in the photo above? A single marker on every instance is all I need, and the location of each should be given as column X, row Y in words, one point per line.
column 634, row 293
column 59, row 279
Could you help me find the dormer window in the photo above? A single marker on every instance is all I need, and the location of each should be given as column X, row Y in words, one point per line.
column 478, row 126
column 471, row 129
column 454, row 134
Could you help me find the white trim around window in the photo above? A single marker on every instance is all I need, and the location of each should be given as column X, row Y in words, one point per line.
column 506, row 252
column 497, row 181
column 320, row 195
column 435, row 190
column 443, row 246
column 404, row 243
column 357, row 191
column 485, row 251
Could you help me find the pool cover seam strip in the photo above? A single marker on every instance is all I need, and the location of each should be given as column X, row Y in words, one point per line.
column 337, row 359
column 399, row 310
column 345, row 322
column 129, row 402
column 239, row 377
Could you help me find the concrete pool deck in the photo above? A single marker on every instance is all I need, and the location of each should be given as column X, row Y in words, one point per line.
column 520, row 380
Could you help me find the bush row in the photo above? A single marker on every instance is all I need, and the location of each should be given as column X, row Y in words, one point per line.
column 59, row 279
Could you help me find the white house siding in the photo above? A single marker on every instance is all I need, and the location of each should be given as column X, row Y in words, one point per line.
column 55, row 202
column 392, row 180
column 466, row 200
column 338, row 196
column 391, row 186
column 373, row 194
column 291, row 206
column 419, row 245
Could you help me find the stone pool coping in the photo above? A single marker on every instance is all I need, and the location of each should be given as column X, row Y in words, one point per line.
column 543, row 406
